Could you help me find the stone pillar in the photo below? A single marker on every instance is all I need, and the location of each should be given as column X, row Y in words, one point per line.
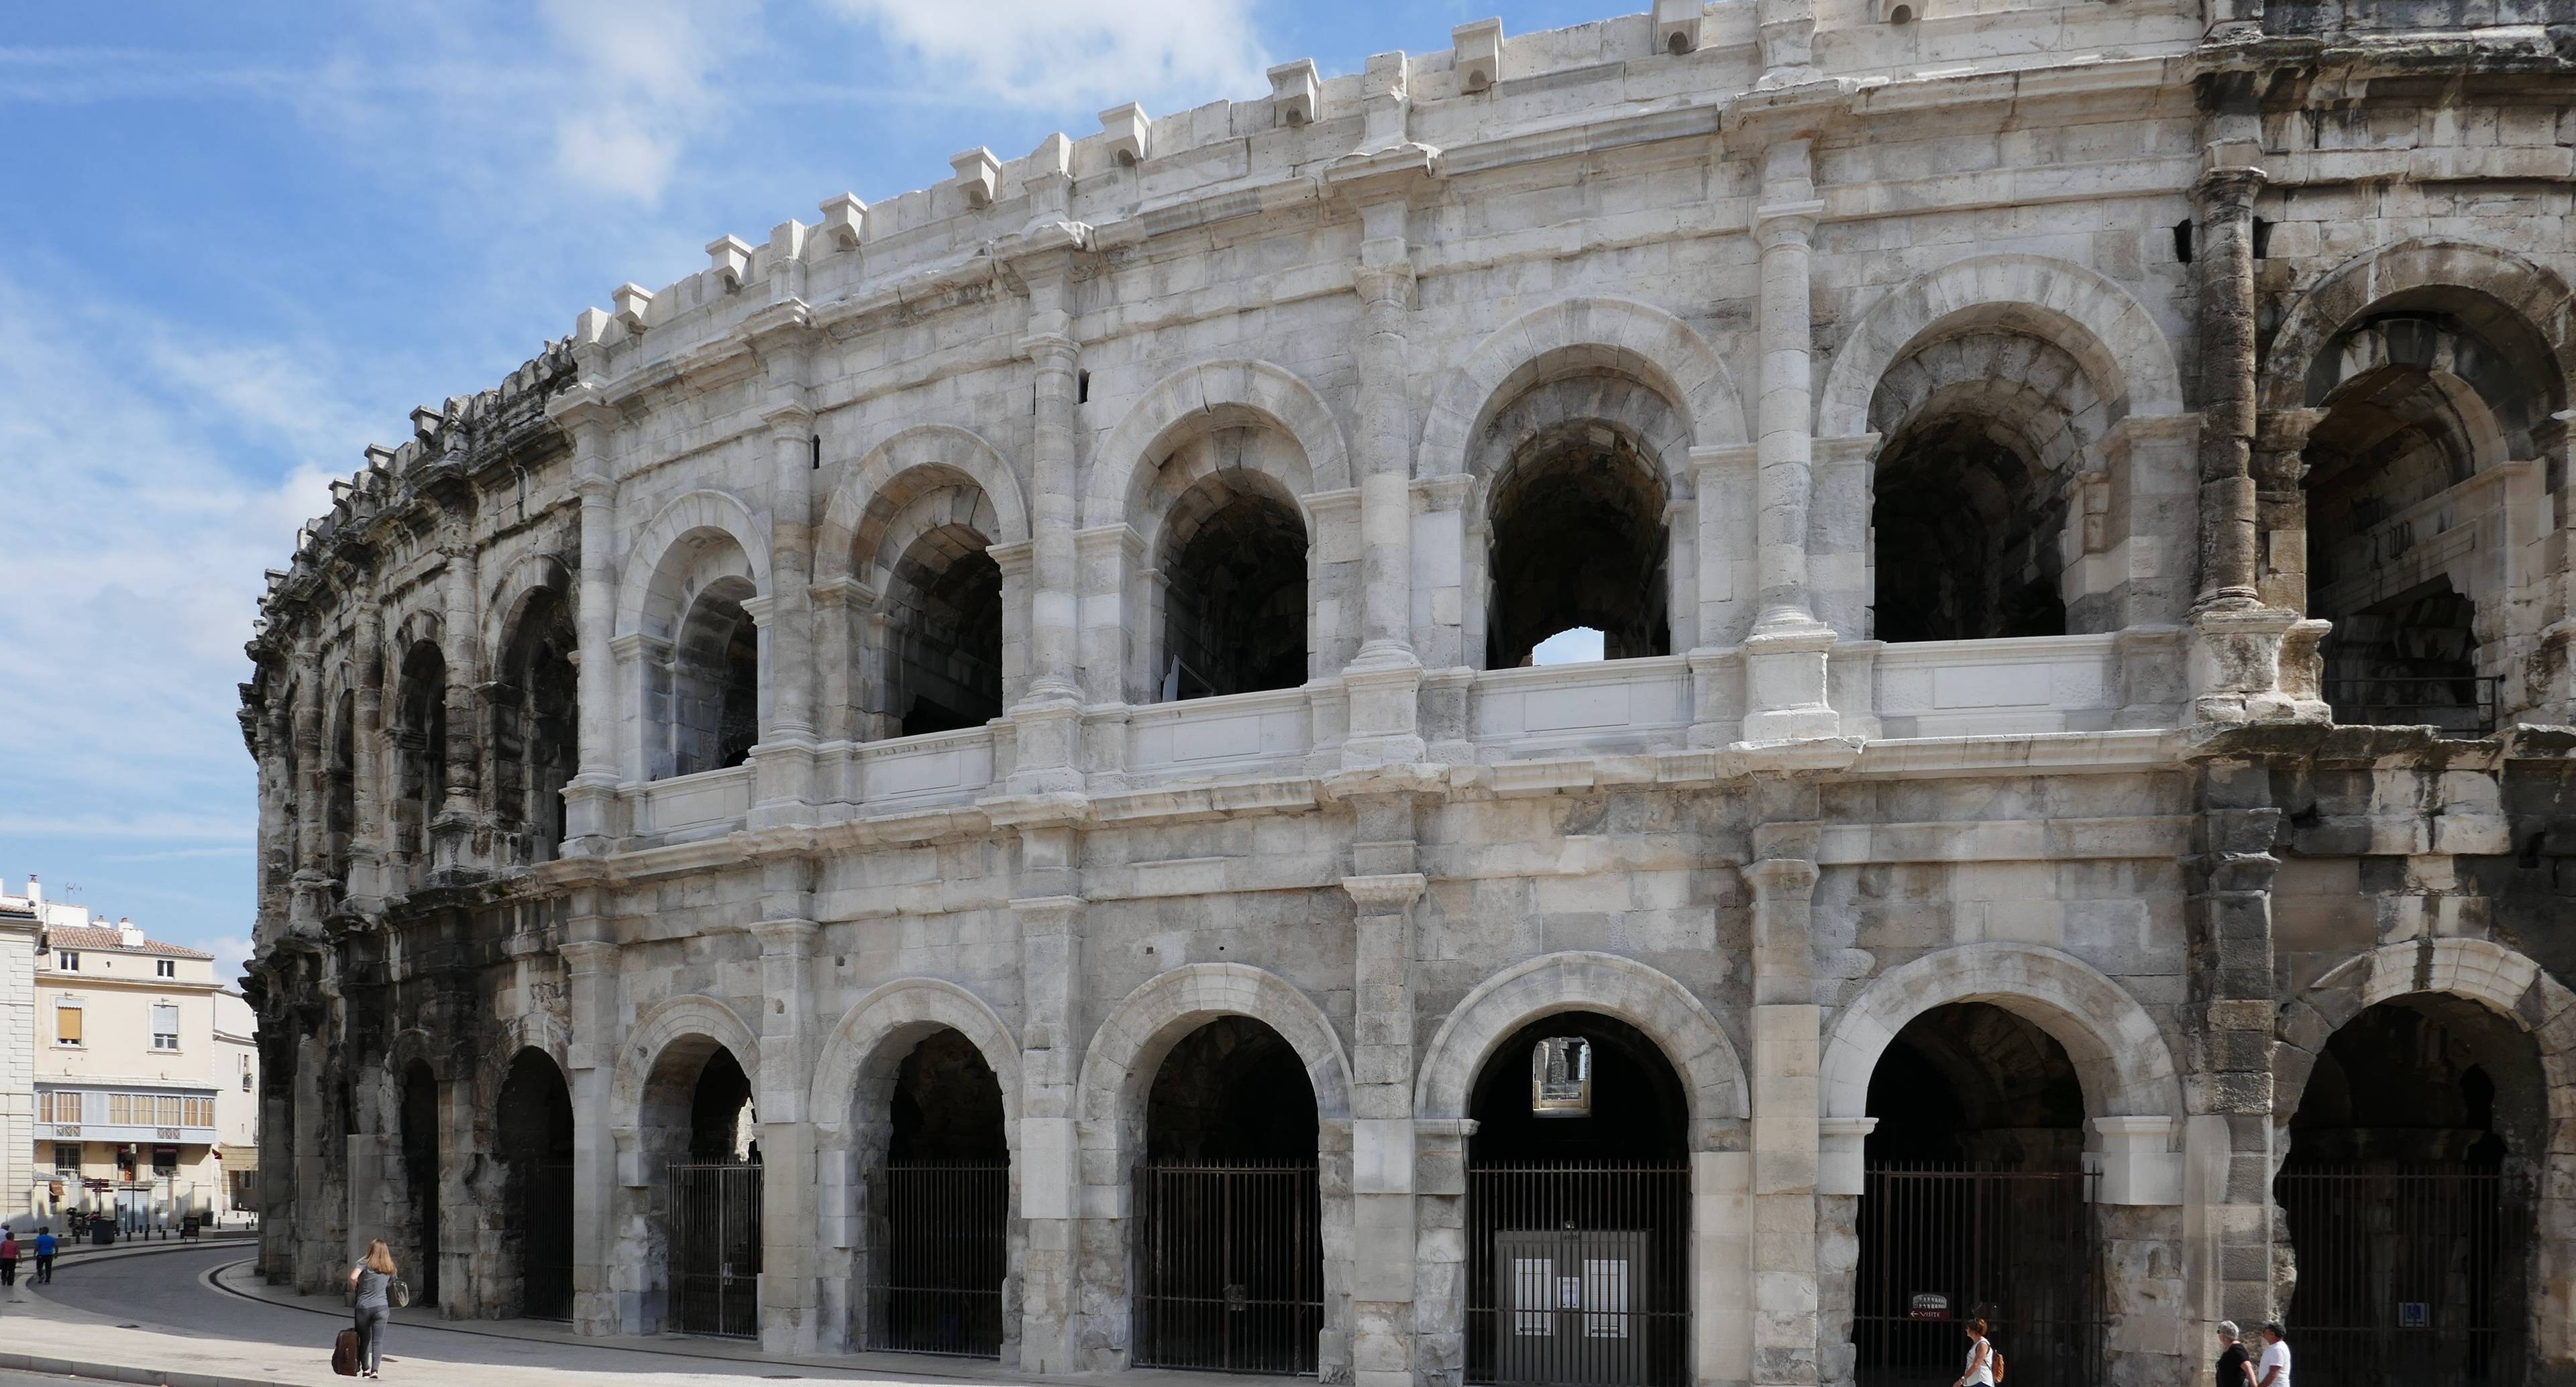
column 1788, row 33
column 783, row 763
column 1384, row 1238
column 461, row 648
column 2228, row 1015
column 1785, row 656
column 1051, row 1031
column 271, row 735
column 591, row 988
column 368, row 849
column 2281, row 506
column 841, row 610
column 312, row 792
column 1786, row 1029
column 789, row 1212
column 592, row 793
column 1048, row 719
column 1385, row 679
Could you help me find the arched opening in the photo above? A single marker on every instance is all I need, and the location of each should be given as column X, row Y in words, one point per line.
column 1578, row 539
column 340, row 822
column 535, row 712
column 420, row 1177
column 2421, row 395
column 2408, row 1196
column 944, row 634
column 1976, row 1205
column 939, row 1207
column 698, row 1130
column 1967, row 528
column 420, row 745
column 1578, row 1209
column 1234, row 589
column 534, row 1135
column 1229, row 1243
column 715, row 681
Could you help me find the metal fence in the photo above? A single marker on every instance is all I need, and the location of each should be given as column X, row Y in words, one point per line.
column 1229, row 1267
column 2463, row 706
column 1578, row 1274
column 2407, row 1274
column 715, row 1249
column 1942, row 1245
column 545, row 1240
column 938, row 1250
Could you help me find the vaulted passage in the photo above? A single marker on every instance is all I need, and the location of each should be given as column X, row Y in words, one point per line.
column 715, row 682
column 944, row 634
column 1234, row 589
column 2409, row 1192
column 533, row 1132
column 1967, row 534
column 420, row 1179
column 1578, row 540
column 939, row 1208
column 420, row 746
column 696, row 1128
column 1229, row 1243
column 1975, row 1205
column 341, row 823
column 1578, row 1210
column 535, row 742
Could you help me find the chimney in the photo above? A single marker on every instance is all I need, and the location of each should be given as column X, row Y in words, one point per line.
column 127, row 936
column 35, row 890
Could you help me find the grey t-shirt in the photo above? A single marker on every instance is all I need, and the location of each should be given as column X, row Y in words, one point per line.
column 371, row 1290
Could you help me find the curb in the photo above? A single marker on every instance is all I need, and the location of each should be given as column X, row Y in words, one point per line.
column 112, row 1372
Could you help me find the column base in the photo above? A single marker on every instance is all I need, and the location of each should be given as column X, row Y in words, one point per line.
column 782, row 781
column 1385, row 711
column 2253, row 663
column 1046, row 738
column 1784, row 684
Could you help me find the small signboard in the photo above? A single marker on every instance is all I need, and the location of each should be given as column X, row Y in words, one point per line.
column 1929, row 1305
column 2414, row 1314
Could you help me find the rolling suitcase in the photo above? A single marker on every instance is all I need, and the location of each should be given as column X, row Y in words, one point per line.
column 344, row 1354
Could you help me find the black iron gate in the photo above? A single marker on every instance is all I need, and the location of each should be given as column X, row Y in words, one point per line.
column 545, row 1240
column 1578, row 1274
column 715, row 1249
column 1229, row 1267
column 1939, row 1246
column 2406, row 1274
column 938, row 1250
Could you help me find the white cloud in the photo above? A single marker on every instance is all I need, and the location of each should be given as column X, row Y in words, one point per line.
column 643, row 86
column 230, row 951
column 1048, row 53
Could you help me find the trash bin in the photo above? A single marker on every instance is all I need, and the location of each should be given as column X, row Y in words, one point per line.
column 102, row 1232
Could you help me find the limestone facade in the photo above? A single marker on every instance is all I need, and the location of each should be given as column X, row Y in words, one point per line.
column 1969, row 429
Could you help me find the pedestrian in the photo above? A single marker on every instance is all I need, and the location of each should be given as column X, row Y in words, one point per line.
column 1981, row 1358
column 8, row 1257
column 2235, row 1369
column 46, row 1247
column 2275, row 1366
column 373, row 1278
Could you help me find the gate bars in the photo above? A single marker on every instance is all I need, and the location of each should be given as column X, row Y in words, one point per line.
column 1229, row 1267
column 938, row 1250
column 715, row 1248
column 545, row 1240
column 2404, row 1273
column 1578, row 1274
column 2019, row 1249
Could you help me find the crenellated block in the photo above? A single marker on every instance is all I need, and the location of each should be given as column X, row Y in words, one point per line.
column 844, row 221
column 632, row 299
column 1128, row 129
column 1479, row 49
column 979, row 175
column 425, row 424
column 1296, row 93
column 1677, row 25
column 730, row 258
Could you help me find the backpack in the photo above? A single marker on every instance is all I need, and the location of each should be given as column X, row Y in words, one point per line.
column 1995, row 1357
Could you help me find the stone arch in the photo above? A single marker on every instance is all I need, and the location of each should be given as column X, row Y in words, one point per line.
column 1644, row 997
column 1576, row 335
column 1222, row 392
column 531, row 1030
column 505, row 602
column 2538, row 297
column 2127, row 356
column 1121, row 1059
column 909, row 1008
column 2120, row 1055
column 654, row 566
column 674, row 1019
column 944, row 448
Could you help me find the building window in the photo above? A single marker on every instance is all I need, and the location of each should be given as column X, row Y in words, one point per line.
column 67, row 960
column 166, row 1110
column 58, row 1106
column 165, row 1161
column 67, row 1024
column 200, row 1112
column 165, row 1026
column 67, row 1157
column 120, row 1109
column 166, row 967
column 245, row 1081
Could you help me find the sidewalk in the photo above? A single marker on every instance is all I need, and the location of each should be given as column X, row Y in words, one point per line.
column 41, row 1336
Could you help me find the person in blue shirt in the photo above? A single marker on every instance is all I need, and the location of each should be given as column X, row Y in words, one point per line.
column 45, row 1249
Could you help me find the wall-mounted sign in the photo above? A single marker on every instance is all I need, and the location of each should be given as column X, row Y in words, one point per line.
column 1928, row 1305
column 1561, row 1077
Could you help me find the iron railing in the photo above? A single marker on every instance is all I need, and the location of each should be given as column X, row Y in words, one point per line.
column 545, row 1239
column 2407, row 1274
column 1230, row 1267
column 1578, row 1274
column 938, row 1251
column 1941, row 1245
column 715, row 1248
column 2464, row 705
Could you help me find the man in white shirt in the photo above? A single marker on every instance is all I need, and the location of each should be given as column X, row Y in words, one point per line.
column 2274, row 1370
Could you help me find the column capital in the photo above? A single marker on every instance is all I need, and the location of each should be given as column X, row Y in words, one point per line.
column 2229, row 187
column 588, row 956
column 790, row 420
column 1050, row 348
column 1387, row 893
column 1785, row 223
column 1387, row 285
column 784, row 937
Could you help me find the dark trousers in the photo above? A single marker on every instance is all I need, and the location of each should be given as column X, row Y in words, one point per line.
column 44, row 1270
column 371, row 1335
column 8, row 1271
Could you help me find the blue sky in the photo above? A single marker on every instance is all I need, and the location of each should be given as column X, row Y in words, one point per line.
column 245, row 239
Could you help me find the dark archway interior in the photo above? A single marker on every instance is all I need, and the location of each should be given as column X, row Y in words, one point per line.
column 1971, row 1083
column 1966, row 528
column 1639, row 1111
column 420, row 744
column 720, row 1112
column 947, row 1105
column 341, row 814
column 944, row 624
column 420, row 1175
column 715, row 689
column 535, row 742
column 2424, row 1078
column 1234, row 601
column 533, row 1133
column 1578, row 540
column 1231, row 1091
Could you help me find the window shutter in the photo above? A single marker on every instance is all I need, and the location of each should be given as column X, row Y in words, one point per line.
column 165, row 1019
column 67, row 1025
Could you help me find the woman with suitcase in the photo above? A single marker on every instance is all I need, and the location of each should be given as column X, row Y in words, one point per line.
column 373, row 1281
